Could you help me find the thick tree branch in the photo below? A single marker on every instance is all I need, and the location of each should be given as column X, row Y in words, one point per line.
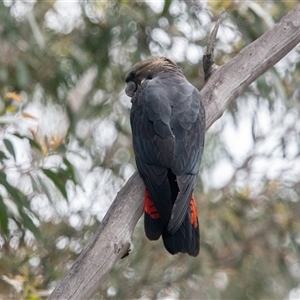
column 112, row 239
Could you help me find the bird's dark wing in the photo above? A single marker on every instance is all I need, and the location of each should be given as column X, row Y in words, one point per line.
column 188, row 126
column 153, row 143
column 188, row 154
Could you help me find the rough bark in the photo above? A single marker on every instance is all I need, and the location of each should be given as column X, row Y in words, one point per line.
column 112, row 239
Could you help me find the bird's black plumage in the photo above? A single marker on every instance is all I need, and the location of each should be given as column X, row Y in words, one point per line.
column 168, row 125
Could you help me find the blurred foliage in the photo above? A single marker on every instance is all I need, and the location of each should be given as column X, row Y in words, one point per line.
column 65, row 135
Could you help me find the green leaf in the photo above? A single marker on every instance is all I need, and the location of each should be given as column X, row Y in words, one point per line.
column 166, row 7
column 17, row 196
column 72, row 174
column 21, row 202
column 34, row 183
column 58, row 179
column 45, row 189
column 28, row 223
column 3, row 217
column 10, row 148
column 33, row 143
column 263, row 87
column 2, row 155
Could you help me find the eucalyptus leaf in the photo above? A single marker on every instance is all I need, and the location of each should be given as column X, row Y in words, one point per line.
column 58, row 179
column 3, row 217
column 10, row 148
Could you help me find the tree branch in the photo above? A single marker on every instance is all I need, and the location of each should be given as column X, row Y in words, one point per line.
column 112, row 239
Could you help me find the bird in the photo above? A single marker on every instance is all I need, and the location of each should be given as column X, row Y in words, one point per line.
column 167, row 119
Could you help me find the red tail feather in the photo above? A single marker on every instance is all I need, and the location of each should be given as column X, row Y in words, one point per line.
column 194, row 213
column 149, row 207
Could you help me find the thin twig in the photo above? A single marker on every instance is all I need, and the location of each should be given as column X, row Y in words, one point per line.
column 209, row 65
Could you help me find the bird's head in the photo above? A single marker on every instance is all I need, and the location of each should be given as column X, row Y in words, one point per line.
column 147, row 69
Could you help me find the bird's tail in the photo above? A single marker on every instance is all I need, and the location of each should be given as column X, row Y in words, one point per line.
column 186, row 239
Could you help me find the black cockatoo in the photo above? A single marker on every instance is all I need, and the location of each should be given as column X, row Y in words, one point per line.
column 168, row 126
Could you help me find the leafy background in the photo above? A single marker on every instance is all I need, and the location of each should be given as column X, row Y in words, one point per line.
column 65, row 149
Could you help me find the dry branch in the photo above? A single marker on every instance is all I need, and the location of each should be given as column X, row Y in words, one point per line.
column 112, row 239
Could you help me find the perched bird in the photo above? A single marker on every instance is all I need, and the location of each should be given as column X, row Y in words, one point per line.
column 168, row 125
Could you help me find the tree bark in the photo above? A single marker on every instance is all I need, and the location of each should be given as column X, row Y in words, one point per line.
column 112, row 239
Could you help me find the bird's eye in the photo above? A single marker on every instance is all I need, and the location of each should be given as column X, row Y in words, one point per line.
column 130, row 88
